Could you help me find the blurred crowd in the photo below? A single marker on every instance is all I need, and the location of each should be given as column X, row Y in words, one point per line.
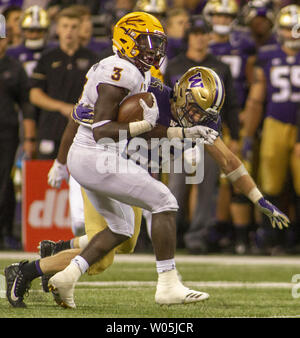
column 51, row 44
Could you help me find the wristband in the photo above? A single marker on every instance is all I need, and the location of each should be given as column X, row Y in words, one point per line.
column 140, row 127
column 254, row 195
column 31, row 139
column 175, row 132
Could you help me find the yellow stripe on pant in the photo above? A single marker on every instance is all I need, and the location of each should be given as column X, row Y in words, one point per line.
column 95, row 223
column 276, row 157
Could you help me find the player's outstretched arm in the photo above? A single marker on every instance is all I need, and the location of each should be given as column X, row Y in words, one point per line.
column 235, row 171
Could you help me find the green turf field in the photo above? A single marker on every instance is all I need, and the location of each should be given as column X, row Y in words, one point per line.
column 238, row 287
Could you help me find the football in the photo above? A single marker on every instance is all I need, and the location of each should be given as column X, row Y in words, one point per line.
column 130, row 109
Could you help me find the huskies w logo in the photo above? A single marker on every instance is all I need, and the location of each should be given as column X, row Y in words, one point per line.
column 196, row 81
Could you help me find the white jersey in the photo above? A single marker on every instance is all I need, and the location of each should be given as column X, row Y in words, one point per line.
column 117, row 72
column 114, row 183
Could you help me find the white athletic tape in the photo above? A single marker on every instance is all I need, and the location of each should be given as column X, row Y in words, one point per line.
column 237, row 173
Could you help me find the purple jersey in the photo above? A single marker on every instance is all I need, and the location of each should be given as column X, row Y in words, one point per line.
column 98, row 46
column 6, row 3
column 235, row 53
column 163, row 94
column 282, row 74
column 28, row 57
column 175, row 47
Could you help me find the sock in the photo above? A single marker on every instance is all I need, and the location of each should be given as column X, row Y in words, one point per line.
column 166, row 265
column 83, row 241
column 32, row 270
column 81, row 262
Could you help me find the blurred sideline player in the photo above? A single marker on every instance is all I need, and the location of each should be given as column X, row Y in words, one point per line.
column 274, row 98
column 12, row 15
column 234, row 48
column 188, row 108
column 34, row 24
column 259, row 17
column 177, row 22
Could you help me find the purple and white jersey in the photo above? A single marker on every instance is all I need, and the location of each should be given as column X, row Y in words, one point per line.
column 235, row 53
column 28, row 57
column 282, row 74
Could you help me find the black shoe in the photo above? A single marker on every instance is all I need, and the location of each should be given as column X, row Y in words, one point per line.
column 48, row 248
column 16, row 284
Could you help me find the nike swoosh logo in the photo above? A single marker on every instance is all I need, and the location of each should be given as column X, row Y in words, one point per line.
column 12, row 294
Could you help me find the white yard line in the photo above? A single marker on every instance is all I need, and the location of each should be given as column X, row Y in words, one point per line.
column 203, row 259
column 213, row 284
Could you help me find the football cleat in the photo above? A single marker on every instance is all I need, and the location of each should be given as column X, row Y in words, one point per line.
column 16, row 284
column 48, row 248
column 170, row 290
column 62, row 286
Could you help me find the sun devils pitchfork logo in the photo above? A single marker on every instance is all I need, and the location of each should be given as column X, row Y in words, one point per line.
column 196, row 81
column 2, row 27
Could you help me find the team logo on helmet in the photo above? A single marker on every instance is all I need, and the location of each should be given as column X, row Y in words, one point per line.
column 198, row 97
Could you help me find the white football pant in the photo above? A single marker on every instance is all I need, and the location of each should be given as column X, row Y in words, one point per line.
column 113, row 184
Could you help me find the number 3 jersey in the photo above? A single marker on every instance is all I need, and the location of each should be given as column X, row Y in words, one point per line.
column 114, row 71
column 282, row 74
